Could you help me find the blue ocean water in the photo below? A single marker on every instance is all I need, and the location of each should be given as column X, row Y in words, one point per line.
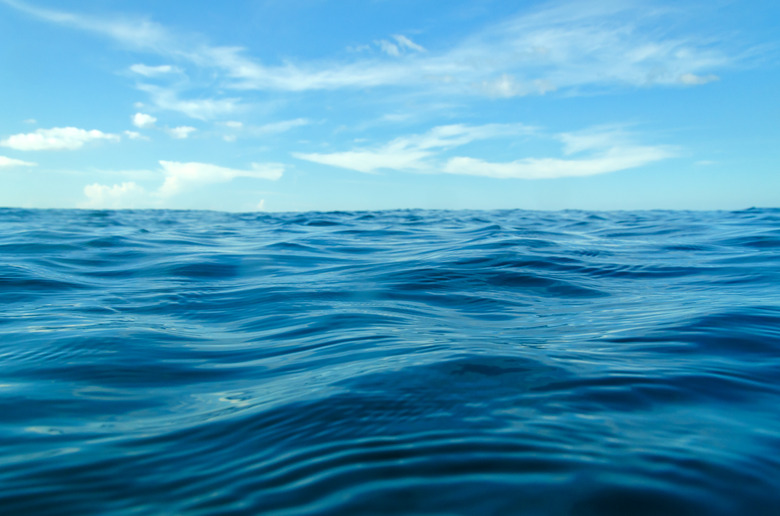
column 400, row 362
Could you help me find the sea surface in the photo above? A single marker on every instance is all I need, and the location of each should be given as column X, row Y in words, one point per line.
column 398, row 362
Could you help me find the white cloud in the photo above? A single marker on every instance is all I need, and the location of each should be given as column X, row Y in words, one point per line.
column 569, row 46
column 508, row 86
column 143, row 121
column 181, row 133
column 261, row 130
column 126, row 195
column 388, row 48
column 595, row 138
column 412, row 153
column 358, row 48
column 565, row 46
column 57, row 138
column 505, row 86
column 135, row 135
column 31, row 121
column 455, row 135
column 610, row 160
column 153, row 71
column 693, row 79
column 281, row 127
column 180, row 175
column 10, row 162
column 200, row 109
column 371, row 161
column 399, row 47
column 404, row 42
column 606, row 149
column 137, row 33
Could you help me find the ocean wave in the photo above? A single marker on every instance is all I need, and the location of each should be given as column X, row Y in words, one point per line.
column 400, row 362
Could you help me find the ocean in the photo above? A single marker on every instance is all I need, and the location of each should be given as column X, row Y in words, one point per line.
column 396, row 362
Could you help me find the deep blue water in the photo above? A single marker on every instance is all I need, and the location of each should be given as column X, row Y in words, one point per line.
column 404, row 362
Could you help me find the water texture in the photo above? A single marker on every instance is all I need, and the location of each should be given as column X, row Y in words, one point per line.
column 403, row 362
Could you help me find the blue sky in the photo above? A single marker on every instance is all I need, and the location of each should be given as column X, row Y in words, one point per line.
column 300, row 105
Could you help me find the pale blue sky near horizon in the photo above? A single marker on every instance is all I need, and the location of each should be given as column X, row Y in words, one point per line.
column 301, row 105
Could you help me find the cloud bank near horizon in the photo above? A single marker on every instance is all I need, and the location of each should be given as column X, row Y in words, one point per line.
column 178, row 177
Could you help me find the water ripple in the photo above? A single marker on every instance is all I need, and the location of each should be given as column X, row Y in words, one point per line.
column 401, row 362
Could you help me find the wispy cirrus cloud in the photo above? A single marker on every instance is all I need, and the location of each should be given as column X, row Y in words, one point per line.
column 413, row 153
column 137, row 33
column 612, row 159
column 693, row 79
column 559, row 46
column 565, row 46
column 371, row 161
column 153, row 71
column 595, row 151
column 406, row 43
column 398, row 46
column 168, row 98
column 279, row 127
column 10, row 162
column 146, row 36
column 56, row 138
column 235, row 128
column 569, row 45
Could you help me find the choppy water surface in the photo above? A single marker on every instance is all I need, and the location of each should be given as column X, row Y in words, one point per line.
column 407, row 362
